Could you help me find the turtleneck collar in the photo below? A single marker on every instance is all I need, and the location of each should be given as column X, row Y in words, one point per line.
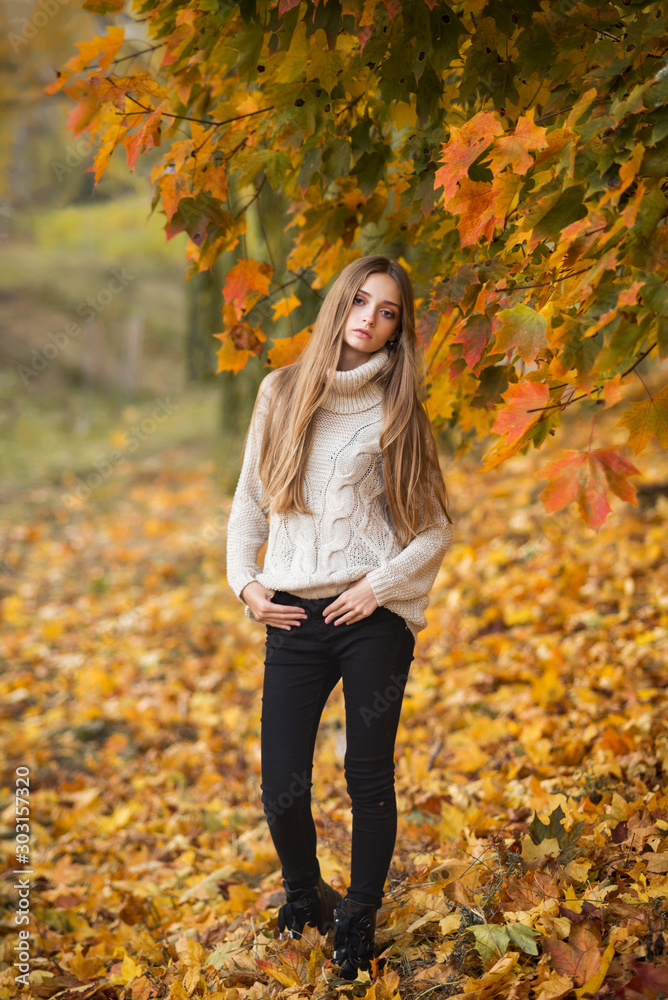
column 351, row 392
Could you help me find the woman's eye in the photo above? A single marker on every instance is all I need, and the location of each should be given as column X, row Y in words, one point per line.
column 358, row 301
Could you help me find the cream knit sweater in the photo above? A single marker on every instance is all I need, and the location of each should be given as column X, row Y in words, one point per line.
column 349, row 533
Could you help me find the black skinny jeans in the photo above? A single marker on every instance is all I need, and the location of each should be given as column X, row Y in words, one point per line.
column 302, row 667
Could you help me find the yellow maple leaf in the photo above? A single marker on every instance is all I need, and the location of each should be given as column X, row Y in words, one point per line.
column 441, row 399
column 112, row 128
column 554, row 988
column 229, row 358
column 177, row 992
column 287, row 349
column 105, row 46
column 129, row 971
column 647, row 418
column 286, row 306
column 384, row 988
column 191, row 979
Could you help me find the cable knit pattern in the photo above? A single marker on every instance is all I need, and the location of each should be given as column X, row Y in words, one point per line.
column 349, row 533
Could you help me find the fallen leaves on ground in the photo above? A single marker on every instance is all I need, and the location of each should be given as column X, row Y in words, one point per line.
column 532, row 852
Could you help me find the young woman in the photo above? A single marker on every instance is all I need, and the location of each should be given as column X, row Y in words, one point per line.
column 341, row 477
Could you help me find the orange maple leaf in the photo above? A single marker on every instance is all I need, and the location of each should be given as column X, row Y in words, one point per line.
column 146, row 138
column 173, row 187
column 283, row 973
column 569, row 961
column 474, row 203
column 514, row 149
column 587, row 477
column 247, row 281
column 515, row 418
column 475, row 336
column 84, row 111
column 463, row 147
column 107, row 93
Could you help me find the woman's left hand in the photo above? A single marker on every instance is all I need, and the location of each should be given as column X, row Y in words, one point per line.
column 355, row 603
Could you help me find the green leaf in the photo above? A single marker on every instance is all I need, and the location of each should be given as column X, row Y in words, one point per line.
column 662, row 336
column 429, row 93
column 446, row 30
column 360, row 137
column 491, row 939
column 524, row 937
column 655, row 293
column 329, row 17
column 522, row 329
column 651, row 210
column 369, row 169
column 539, row 831
column 568, row 209
column 581, row 354
column 555, row 830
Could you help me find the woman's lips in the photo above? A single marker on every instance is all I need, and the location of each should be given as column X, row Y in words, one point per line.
column 363, row 333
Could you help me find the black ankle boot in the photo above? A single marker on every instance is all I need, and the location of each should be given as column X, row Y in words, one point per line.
column 354, row 931
column 313, row 906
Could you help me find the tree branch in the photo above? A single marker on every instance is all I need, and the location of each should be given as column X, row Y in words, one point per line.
column 248, row 205
column 607, row 34
column 544, row 118
column 134, row 54
column 542, row 284
column 187, row 118
column 597, row 388
column 642, row 356
column 556, row 406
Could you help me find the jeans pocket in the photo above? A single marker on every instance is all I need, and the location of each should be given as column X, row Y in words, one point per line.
column 279, row 597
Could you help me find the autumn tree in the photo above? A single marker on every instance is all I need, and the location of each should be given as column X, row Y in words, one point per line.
column 512, row 154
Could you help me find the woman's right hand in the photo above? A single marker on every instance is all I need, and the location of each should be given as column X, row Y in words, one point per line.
column 258, row 599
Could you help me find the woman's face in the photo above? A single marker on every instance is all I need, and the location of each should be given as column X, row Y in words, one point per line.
column 374, row 318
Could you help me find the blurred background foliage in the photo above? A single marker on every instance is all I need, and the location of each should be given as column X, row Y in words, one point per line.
column 67, row 397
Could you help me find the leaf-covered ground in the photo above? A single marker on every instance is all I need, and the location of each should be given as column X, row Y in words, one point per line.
column 532, row 853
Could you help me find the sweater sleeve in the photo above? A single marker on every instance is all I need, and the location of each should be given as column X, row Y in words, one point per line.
column 411, row 573
column 248, row 526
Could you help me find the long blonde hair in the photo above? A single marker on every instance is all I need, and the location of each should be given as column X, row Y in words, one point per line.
column 410, row 458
